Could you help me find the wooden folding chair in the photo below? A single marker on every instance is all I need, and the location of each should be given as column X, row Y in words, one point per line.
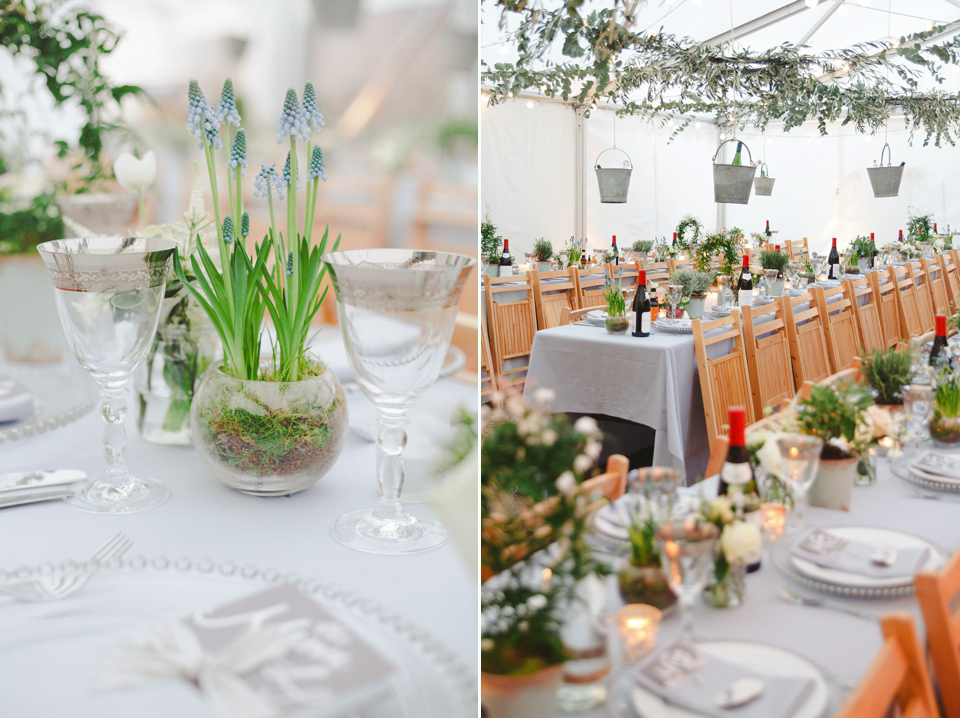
column 552, row 293
column 808, row 344
column 768, row 357
column 657, row 272
column 951, row 279
column 626, row 272
column 885, row 293
column 908, row 303
column 860, row 294
column 512, row 326
column 723, row 380
column 679, row 265
column 612, row 483
column 489, row 382
column 839, row 326
column 569, row 316
column 796, row 249
column 936, row 592
column 897, row 675
column 590, row 284
column 924, row 292
column 940, row 297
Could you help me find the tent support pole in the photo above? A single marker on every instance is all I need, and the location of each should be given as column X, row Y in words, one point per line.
column 580, row 174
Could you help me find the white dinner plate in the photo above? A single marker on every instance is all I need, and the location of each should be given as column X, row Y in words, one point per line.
column 874, row 537
column 720, row 313
column 934, row 478
column 631, row 701
column 762, row 301
column 62, row 393
column 674, row 326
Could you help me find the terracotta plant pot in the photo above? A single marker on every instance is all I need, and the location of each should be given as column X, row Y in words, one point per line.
column 645, row 584
column 833, row 486
column 532, row 696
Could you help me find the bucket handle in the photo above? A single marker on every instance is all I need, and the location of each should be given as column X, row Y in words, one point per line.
column 596, row 162
column 763, row 168
column 732, row 140
column 886, row 148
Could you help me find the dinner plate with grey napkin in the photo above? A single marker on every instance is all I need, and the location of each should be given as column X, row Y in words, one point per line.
column 832, row 551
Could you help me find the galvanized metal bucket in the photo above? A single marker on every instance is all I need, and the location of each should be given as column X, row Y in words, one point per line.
column 732, row 183
column 885, row 180
column 763, row 185
column 614, row 182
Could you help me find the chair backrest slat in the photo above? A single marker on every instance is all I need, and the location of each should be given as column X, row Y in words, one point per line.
column 839, row 326
column 552, row 291
column 768, row 358
column 512, row 327
column 860, row 294
column 924, row 294
column 940, row 300
column 808, row 344
column 935, row 594
column 489, row 381
column 908, row 305
column 888, row 305
column 948, row 265
column 590, row 282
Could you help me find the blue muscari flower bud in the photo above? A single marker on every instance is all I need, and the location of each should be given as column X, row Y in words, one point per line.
column 200, row 117
column 228, row 229
column 290, row 264
column 268, row 180
column 292, row 121
column 238, row 153
column 310, row 111
column 245, row 225
column 227, row 109
column 316, row 165
column 287, row 173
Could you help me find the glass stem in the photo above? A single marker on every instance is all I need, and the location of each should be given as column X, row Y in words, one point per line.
column 390, row 443
column 686, row 617
column 799, row 509
column 113, row 409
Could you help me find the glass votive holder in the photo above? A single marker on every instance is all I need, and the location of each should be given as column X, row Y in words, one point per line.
column 867, row 467
column 637, row 625
column 774, row 521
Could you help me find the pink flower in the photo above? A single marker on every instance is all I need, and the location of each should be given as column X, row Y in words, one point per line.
column 881, row 420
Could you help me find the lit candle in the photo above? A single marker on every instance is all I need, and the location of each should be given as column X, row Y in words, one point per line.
column 885, row 446
column 774, row 517
column 637, row 625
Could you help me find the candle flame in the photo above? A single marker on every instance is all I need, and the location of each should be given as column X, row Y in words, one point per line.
column 794, row 452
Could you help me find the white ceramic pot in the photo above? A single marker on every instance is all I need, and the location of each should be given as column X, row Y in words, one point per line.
column 533, row 696
column 778, row 287
column 695, row 307
column 834, row 484
column 29, row 324
column 492, row 269
column 544, row 266
column 864, row 265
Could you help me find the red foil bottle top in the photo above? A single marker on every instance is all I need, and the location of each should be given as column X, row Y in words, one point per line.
column 746, row 261
column 871, row 236
column 776, row 247
column 506, row 243
column 738, row 424
column 835, row 244
column 642, row 279
column 941, row 325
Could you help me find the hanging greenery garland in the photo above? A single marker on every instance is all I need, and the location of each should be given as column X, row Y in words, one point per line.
column 668, row 77
column 686, row 222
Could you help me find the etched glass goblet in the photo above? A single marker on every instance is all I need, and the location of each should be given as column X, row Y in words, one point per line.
column 686, row 555
column 396, row 309
column 723, row 288
column 800, row 456
column 109, row 292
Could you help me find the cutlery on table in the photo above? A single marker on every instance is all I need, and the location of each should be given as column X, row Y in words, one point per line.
column 52, row 588
column 788, row 595
column 19, row 498
column 18, row 480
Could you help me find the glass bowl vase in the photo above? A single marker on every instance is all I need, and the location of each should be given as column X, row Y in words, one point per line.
column 268, row 438
column 944, row 430
column 617, row 324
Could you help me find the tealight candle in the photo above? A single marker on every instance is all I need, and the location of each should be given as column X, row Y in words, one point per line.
column 637, row 625
column 774, row 518
column 885, row 445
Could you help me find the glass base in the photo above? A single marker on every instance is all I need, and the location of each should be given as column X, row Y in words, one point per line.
column 365, row 532
column 129, row 497
column 574, row 698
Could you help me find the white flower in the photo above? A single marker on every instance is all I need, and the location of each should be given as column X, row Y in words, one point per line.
column 536, row 602
column 756, row 439
column 882, row 421
column 582, row 463
column 544, row 396
column 567, row 483
column 486, row 644
column 722, row 507
column 864, row 431
column 135, row 175
column 548, row 437
column 585, row 425
column 769, row 456
column 739, row 541
column 592, row 449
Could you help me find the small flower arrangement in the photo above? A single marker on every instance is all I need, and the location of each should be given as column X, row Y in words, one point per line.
column 920, row 228
column 908, row 250
column 543, row 250
column 531, row 457
column 839, row 416
column 739, row 541
column 945, row 422
column 616, row 303
column 490, row 241
column 774, row 260
column 887, row 371
column 862, row 248
column 642, row 245
column 573, row 248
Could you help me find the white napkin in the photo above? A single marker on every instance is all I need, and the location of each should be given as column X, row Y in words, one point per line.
column 937, row 466
column 831, row 551
column 16, row 403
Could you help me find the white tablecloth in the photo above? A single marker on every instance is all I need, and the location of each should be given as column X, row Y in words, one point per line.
column 205, row 519
column 651, row 381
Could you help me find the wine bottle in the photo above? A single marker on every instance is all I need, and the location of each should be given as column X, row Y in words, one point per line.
column 776, row 248
column 641, row 307
column 745, row 287
column 736, row 156
column 506, row 259
column 940, row 352
column 934, row 227
column 674, row 239
column 767, row 231
column 873, row 249
column 583, row 258
column 834, row 261
column 654, row 304
column 737, row 473
column 616, row 252
column 901, row 236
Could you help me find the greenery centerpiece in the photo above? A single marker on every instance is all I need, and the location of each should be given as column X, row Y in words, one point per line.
column 920, row 228
column 772, row 259
column 644, row 246
column 696, row 230
column 863, row 249
column 266, row 425
column 490, row 248
column 543, row 253
column 641, row 578
column 695, row 287
column 887, row 371
column 726, row 249
column 616, row 321
column 945, row 421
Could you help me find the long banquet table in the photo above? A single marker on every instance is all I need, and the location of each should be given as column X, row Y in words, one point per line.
column 842, row 645
column 435, row 591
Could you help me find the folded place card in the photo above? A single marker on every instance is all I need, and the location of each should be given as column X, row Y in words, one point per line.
column 937, row 464
column 274, row 654
column 831, row 551
column 684, row 676
column 16, row 403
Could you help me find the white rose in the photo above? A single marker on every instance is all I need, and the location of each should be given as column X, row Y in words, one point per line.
column 739, row 541
column 722, row 507
column 582, row 464
column 536, row 602
column 567, row 483
column 544, row 396
column 585, row 425
column 549, row 437
column 135, row 174
column 882, row 421
column 769, row 456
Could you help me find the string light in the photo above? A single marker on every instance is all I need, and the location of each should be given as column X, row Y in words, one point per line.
column 504, row 49
column 723, row 135
column 529, row 104
column 697, row 125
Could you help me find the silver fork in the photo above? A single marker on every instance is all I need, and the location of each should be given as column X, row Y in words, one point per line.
column 52, row 588
column 789, row 595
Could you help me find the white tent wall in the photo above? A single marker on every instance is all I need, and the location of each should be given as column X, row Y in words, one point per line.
column 528, row 183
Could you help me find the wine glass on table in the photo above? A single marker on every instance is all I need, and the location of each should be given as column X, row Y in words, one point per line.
column 674, row 295
column 723, row 287
column 396, row 309
column 800, row 455
column 109, row 292
column 770, row 277
column 686, row 555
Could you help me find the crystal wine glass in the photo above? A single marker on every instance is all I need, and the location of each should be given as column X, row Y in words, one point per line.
column 723, row 286
column 658, row 486
column 674, row 295
column 918, row 405
column 770, row 277
column 801, row 458
column 109, row 292
column 686, row 553
column 396, row 309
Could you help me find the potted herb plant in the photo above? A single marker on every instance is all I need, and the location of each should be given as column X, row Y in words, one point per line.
column 641, row 249
column 863, row 250
column 265, row 425
column 838, row 415
column 775, row 260
column 490, row 244
column 695, row 287
column 641, row 578
column 617, row 321
column 945, row 421
column 543, row 253
column 532, row 463
column 887, row 371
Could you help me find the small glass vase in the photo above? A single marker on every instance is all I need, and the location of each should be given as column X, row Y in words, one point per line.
column 726, row 591
column 645, row 584
column 268, row 438
column 944, row 430
column 617, row 324
column 185, row 345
